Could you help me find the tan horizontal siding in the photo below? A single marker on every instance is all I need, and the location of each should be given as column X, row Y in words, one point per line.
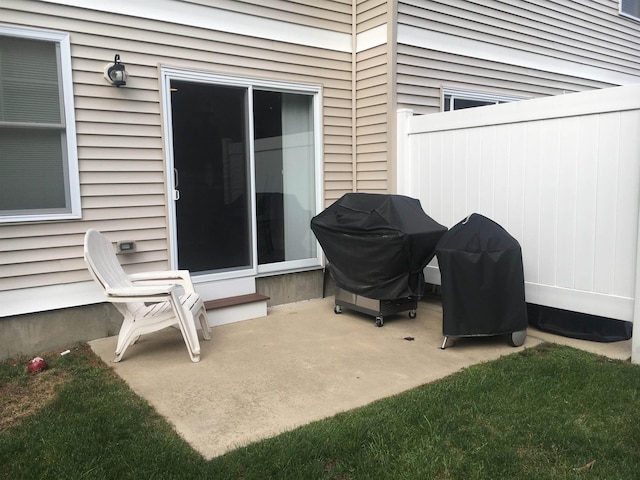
column 340, row 167
column 119, row 165
column 370, row 186
column 588, row 32
column 342, row 140
column 63, row 241
column 372, row 99
column 371, row 120
column 369, row 145
column 118, row 152
column 373, row 89
column 370, row 14
column 337, row 102
column 375, row 74
column 420, row 80
column 118, row 118
column 585, row 32
column 42, row 231
column 372, row 110
column 334, row 148
column 338, row 121
column 122, row 201
column 334, row 133
column 332, row 15
column 119, row 131
column 372, row 131
column 327, row 15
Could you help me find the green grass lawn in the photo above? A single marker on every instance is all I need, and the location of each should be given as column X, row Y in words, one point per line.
column 545, row 413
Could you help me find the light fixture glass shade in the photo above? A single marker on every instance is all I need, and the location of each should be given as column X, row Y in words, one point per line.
column 115, row 72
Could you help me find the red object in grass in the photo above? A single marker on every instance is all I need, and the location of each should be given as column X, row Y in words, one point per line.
column 37, row 365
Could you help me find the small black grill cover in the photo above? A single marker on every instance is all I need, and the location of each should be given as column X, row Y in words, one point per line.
column 482, row 279
column 377, row 244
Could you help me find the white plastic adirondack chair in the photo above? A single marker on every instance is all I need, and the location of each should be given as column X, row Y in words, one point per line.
column 149, row 301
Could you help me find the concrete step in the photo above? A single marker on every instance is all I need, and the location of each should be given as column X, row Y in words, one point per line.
column 235, row 309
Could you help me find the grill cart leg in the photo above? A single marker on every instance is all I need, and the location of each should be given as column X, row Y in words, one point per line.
column 444, row 343
column 379, row 321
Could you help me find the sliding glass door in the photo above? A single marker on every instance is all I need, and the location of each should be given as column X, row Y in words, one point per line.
column 244, row 176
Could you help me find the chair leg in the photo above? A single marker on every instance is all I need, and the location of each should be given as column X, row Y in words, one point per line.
column 204, row 323
column 187, row 326
column 125, row 338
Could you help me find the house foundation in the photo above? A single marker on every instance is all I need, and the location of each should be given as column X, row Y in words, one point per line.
column 37, row 333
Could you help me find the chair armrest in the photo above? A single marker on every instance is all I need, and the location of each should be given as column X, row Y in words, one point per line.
column 180, row 277
column 140, row 292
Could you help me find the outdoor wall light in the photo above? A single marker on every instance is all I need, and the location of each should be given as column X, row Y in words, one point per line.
column 115, row 72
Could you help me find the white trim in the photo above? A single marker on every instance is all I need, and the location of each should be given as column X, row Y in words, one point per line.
column 237, row 313
column 442, row 42
column 73, row 175
column 52, row 297
column 216, row 289
column 185, row 13
column 616, row 99
column 374, row 37
column 592, row 303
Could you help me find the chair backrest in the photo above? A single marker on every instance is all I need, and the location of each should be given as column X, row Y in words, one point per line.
column 102, row 261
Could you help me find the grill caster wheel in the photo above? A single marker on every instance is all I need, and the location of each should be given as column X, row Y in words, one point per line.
column 516, row 339
column 337, row 309
column 379, row 322
column 412, row 314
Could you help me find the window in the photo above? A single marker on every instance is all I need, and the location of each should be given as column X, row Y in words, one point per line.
column 460, row 99
column 246, row 174
column 38, row 159
column 630, row 8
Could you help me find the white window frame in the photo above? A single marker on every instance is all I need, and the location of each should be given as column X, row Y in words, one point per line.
column 70, row 153
column 479, row 96
column 627, row 14
column 174, row 73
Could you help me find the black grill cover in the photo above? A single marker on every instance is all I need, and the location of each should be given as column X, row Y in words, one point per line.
column 377, row 244
column 482, row 279
column 578, row 325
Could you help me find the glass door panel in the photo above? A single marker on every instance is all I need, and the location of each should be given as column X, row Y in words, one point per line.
column 285, row 176
column 210, row 150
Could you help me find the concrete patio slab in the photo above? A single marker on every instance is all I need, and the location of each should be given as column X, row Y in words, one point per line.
column 301, row 363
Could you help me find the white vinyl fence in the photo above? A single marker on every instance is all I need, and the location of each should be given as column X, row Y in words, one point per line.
column 561, row 174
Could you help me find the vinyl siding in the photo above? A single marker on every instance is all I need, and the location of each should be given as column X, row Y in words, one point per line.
column 370, row 14
column 120, row 133
column 372, row 97
column 329, row 15
column 584, row 33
